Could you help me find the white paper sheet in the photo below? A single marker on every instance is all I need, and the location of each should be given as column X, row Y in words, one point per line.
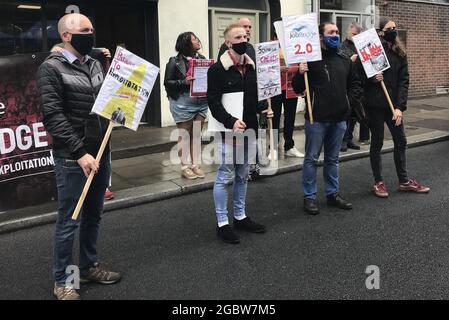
column 200, row 82
column 233, row 103
column 279, row 27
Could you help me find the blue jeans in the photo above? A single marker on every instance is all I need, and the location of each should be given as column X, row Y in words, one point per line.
column 235, row 161
column 70, row 181
column 330, row 135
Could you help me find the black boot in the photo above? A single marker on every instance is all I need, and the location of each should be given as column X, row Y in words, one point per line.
column 344, row 146
column 337, row 201
column 310, row 207
column 352, row 145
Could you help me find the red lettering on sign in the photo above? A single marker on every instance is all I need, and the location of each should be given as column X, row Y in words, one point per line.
column 365, row 55
column 375, row 50
column 309, row 48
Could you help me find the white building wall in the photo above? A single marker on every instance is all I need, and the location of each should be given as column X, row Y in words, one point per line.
column 293, row 7
column 175, row 17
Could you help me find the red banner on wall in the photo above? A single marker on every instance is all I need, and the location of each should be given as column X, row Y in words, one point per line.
column 26, row 162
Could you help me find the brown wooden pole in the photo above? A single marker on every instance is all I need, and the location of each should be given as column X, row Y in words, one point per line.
column 270, row 126
column 309, row 103
column 92, row 173
column 382, row 83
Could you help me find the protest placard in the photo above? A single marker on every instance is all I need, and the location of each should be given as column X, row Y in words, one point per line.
column 373, row 57
column 126, row 89
column 122, row 99
column 302, row 44
column 200, row 67
column 301, row 37
column 279, row 27
column 268, row 70
column 371, row 52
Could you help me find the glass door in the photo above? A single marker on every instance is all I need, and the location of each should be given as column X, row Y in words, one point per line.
column 343, row 21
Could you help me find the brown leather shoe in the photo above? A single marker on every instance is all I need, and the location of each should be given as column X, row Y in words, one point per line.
column 98, row 273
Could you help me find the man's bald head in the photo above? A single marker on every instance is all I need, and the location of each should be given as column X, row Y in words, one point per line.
column 247, row 25
column 71, row 25
column 74, row 23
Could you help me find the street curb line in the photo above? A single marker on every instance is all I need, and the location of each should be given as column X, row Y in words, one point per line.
column 131, row 201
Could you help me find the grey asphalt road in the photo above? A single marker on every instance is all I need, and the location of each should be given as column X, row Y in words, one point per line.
column 169, row 249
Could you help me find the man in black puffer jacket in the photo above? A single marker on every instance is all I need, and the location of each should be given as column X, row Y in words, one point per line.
column 68, row 83
column 333, row 84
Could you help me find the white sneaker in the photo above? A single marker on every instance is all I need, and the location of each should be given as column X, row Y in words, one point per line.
column 275, row 155
column 293, row 152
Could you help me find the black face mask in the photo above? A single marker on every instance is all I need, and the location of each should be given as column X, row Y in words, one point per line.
column 390, row 35
column 240, row 48
column 83, row 43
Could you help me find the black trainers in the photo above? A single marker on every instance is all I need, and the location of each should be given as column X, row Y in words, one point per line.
column 255, row 173
column 337, row 201
column 310, row 207
column 227, row 234
column 248, row 225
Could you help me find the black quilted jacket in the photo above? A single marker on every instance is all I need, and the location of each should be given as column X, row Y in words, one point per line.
column 68, row 93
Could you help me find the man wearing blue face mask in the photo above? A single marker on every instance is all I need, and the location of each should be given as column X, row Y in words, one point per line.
column 333, row 85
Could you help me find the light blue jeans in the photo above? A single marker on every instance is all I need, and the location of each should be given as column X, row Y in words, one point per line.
column 235, row 161
column 330, row 135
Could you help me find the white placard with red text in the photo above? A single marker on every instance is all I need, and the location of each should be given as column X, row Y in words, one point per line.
column 301, row 37
column 371, row 52
column 200, row 67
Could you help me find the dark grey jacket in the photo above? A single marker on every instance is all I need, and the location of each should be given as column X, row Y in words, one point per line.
column 67, row 95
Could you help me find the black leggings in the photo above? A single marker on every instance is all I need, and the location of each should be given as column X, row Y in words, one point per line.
column 377, row 118
column 289, row 118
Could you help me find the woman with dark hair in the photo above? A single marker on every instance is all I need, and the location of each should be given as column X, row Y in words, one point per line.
column 396, row 79
column 186, row 110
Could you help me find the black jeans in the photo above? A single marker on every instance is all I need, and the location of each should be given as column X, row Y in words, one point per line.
column 377, row 118
column 289, row 118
